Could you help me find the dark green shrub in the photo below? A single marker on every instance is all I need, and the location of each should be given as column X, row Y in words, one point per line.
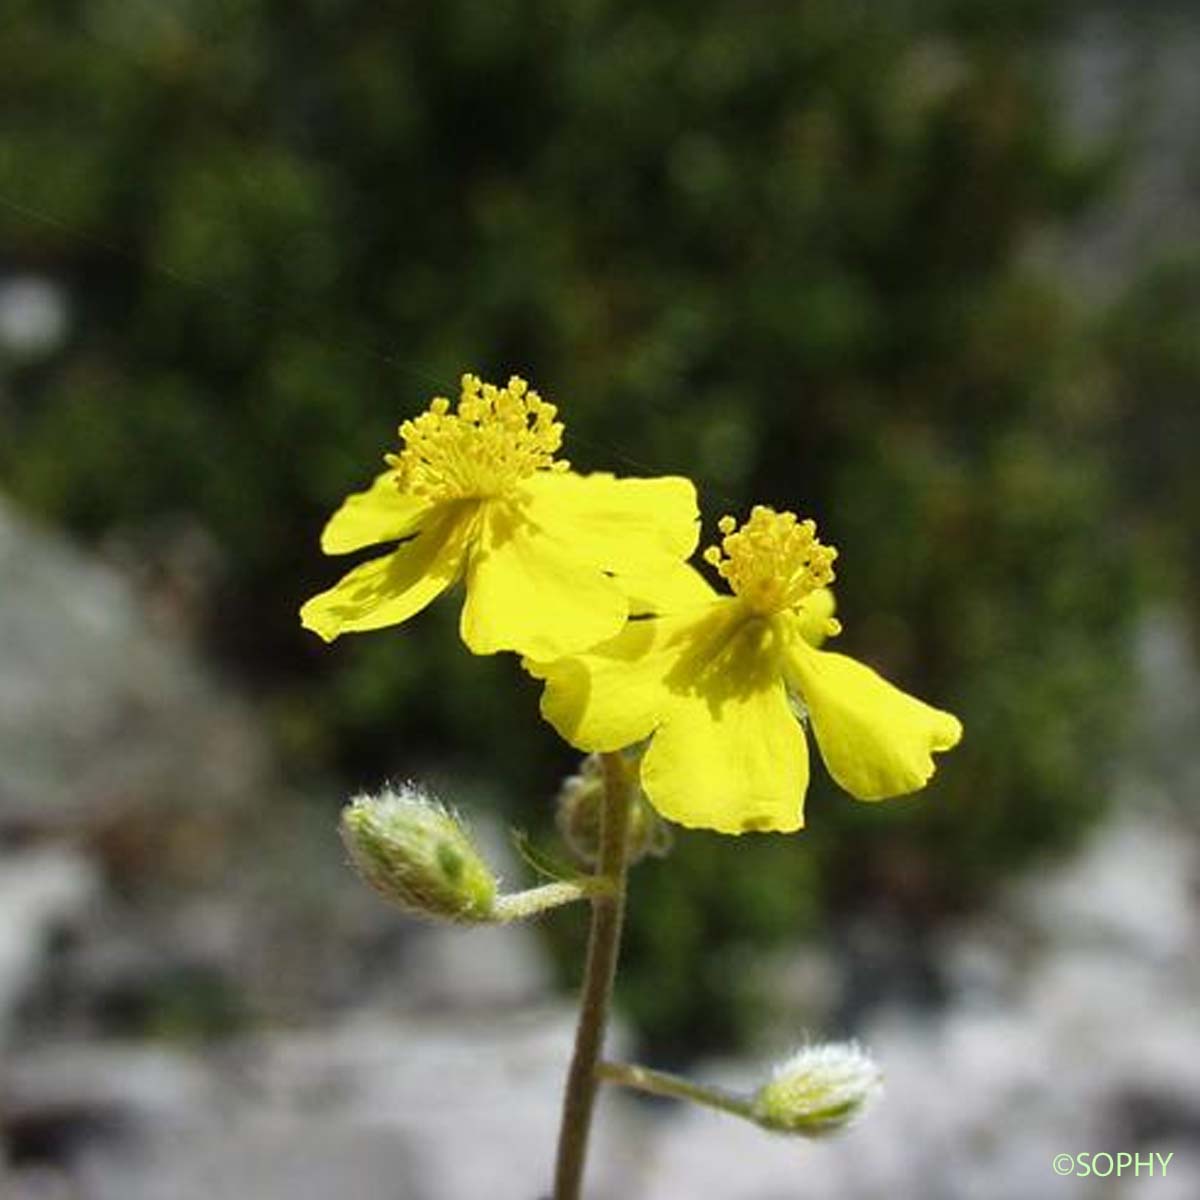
column 775, row 246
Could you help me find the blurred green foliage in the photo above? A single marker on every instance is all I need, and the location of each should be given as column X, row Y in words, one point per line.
column 777, row 247
column 1154, row 347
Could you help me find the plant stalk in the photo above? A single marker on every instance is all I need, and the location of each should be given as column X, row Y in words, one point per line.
column 662, row 1083
column 604, row 941
column 517, row 906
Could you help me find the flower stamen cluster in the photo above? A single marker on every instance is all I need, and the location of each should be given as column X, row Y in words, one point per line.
column 773, row 562
column 717, row 685
column 495, row 438
column 476, row 494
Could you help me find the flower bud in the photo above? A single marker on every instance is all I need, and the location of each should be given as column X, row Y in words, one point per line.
column 819, row 1090
column 418, row 854
column 581, row 803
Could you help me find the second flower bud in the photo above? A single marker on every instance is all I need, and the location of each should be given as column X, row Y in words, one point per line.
column 581, row 803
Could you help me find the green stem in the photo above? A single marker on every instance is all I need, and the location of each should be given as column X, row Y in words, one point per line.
column 661, row 1083
column 516, row 906
column 603, row 945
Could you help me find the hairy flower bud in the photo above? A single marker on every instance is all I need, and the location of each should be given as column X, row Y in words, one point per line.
column 418, row 854
column 819, row 1090
column 580, row 804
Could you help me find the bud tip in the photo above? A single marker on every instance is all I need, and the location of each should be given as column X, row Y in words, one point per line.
column 819, row 1090
column 418, row 854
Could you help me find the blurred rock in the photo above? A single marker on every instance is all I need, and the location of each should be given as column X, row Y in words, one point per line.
column 37, row 1183
column 1131, row 895
column 1117, row 60
column 481, row 969
column 1084, row 1039
column 231, row 895
column 1164, row 771
column 116, row 741
column 199, row 897
column 1069, row 1025
column 425, row 1109
column 42, row 893
column 104, row 726
column 34, row 317
column 175, row 565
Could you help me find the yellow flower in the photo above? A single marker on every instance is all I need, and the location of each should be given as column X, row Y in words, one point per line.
column 477, row 494
column 718, row 685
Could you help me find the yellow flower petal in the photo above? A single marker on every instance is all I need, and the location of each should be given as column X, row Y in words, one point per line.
column 380, row 514
column 619, row 524
column 671, row 587
column 876, row 740
column 531, row 592
column 614, row 695
column 730, row 754
column 727, row 751
column 388, row 590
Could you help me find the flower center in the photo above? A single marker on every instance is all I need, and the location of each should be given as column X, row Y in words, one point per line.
column 773, row 561
column 496, row 438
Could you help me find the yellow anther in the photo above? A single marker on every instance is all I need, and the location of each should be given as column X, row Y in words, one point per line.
column 496, row 438
column 773, row 561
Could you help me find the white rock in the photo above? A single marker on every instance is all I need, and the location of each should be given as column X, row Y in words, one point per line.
column 40, row 891
column 34, row 316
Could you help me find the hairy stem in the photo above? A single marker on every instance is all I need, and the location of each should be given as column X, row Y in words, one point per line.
column 662, row 1083
column 516, row 906
column 603, row 945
